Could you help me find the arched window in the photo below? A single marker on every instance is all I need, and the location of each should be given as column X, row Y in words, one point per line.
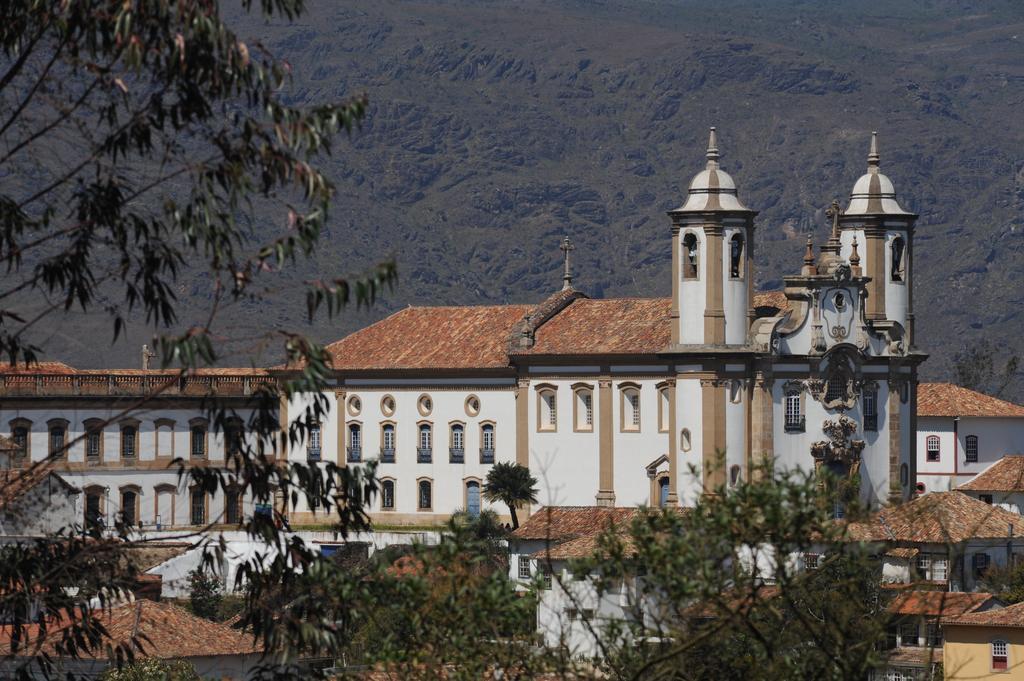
column 19, row 434
column 129, row 507
column 897, row 271
column 197, row 506
column 129, row 440
column 932, row 448
column 93, row 440
column 664, row 402
column 547, row 409
column 93, row 507
column 58, row 431
column 387, row 495
column 630, row 406
column 583, row 407
column 387, row 439
column 233, row 436
column 425, row 450
column 690, row 256
column 355, row 443
column 314, row 442
column 869, row 402
column 1000, row 655
column 735, row 475
column 232, row 506
column 795, row 421
column 424, row 501
column 971, row 449
column 487, row 443
column 836, row 388
column 663, row 488
column 684, row 440
column 736, row 256
column 197, row 435
column 473, row 498
column 457, row 443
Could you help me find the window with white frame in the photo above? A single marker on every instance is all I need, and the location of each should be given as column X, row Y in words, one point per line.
column 387, row 495
column 458, row 436
column 524, row 567
column 932, row 567
column 584, row 409
column 664, row 402
column 487, row 436
column 971, row 449
column 794, row 412
column 425, row 436
column 548, row 409
column 388, row 432
column 1000, row 655
column 631, row 409
column 811, row 561
column 909, row 634
column 425, row 499
column 932, row 448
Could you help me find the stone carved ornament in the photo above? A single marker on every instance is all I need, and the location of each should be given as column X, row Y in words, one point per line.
column 840, row 447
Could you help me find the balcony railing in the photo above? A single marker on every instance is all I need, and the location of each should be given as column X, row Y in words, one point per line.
column 312, row 453
column 424, row 454
column 387, row 454
column 456, row 455
column 796, row 425
column 487, row 455
column 870, row 421
column 355, row 453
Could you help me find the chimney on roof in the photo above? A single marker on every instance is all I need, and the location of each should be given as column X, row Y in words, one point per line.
column 147, row 355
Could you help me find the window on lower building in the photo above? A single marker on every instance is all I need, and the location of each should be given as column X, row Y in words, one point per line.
column 545, row 573
column 981, row 562
column 908, row 634
column 987, row 498
column 388, row 432
column 355, row 442
column 933, row 635
column 932, row 567
column 524, row 567
column 58, row 440
column 93, row 505
column 1000, row 654
column 811, row 561
column 387, row 495
column 971, row 449
column 631, row 409
column 932, row 447
column 487, row 440
column 20, row 436
column 458, row 436
column 548, row 410
column 93, row 445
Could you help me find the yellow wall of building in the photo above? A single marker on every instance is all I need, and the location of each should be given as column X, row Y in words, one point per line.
column 967, row 654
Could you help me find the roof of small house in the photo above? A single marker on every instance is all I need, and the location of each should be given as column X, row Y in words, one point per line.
column 16, row 483
column 562, row 523
column 939, row 603
column 1010, row 616
column 162, row 630
column 1005, row 475
column 937, row 518
column 948, row 399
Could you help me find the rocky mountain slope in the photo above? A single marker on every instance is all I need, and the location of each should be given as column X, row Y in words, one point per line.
column 496, row 128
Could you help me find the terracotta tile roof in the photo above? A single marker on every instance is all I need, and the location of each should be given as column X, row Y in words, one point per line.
column 561, row 523
column 938, row 518
column 1010, row 616
column 615, row 326
column 1005, row 475
column 770, row 303
column 947, row 399
column 37, row 368
column 164, row 631
column 580, row 547
column 432, row 338
column 939, row 603
column 904, row 552
column 14, row 484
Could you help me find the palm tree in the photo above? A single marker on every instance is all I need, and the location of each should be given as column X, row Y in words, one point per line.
column 511, row 484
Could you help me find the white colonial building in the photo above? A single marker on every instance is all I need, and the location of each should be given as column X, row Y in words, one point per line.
column 610, row 402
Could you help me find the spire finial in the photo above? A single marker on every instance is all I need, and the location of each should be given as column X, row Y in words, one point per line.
column 873, row 156
column 566, row 248
column 809, row 253
column 712, row 147
column 854, row 255
column 833, row 212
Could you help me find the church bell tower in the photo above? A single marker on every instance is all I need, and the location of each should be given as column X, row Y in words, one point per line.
column 712, row 260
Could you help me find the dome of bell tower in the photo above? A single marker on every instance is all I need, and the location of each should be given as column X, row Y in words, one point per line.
column 712, row 189
column 874, row 193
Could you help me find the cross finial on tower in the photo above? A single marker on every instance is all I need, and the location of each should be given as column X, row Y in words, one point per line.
column 834, row 211
column 712, row 148
column 873, row 156
column 567, row 248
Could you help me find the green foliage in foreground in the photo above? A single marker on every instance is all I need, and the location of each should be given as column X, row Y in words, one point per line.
column 153, row 670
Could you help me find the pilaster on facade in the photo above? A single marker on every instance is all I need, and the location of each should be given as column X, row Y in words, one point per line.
column 606, row 474
column 673, row 443
column 713, row 431
column 522, row 399
column 340, row 451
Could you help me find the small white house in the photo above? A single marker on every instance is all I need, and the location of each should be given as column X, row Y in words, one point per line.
column 1001, row 484
column 35, row 502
